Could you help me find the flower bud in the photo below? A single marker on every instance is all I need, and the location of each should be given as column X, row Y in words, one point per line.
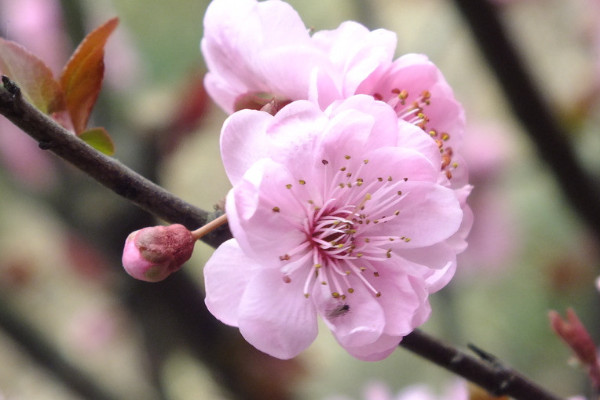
column 151, row 254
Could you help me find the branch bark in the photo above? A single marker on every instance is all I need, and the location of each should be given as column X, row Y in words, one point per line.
column 106, row 170
column 489, row 373
column 161, row 203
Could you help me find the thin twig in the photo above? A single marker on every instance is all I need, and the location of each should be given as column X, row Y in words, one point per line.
column 487, row 373
column 137, row 189
column 532, row 110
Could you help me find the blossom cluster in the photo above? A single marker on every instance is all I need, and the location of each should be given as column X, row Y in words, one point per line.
column 349, row 192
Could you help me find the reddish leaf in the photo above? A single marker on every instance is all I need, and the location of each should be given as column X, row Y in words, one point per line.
column 82, row 77
column 99, row 139
column 33, row 77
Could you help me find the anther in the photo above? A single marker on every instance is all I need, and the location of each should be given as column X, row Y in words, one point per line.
column 276, row 209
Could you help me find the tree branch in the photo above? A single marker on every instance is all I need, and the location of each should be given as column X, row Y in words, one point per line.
column 530, row 108
column 489, row 373
column 108, row 171
column 156, row 200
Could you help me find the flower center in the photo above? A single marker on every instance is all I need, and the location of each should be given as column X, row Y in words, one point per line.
column 412, row 109
column 343, row 246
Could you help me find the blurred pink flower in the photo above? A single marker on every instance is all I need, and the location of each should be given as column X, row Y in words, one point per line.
column 258, row 51
column 380, row 391
column 494, row 238
column 37, row 25
column 94, row 328
column 337, row 213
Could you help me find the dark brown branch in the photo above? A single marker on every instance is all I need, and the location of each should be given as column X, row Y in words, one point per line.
column 530, row 108
column 489, row 374
column 106, row 170
column 156, row 200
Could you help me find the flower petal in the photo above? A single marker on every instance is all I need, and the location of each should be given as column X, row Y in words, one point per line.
column 249, row 135
column 254, row 46
column 376, row 351
column 362, row 323
column 264, row 216
column 226, row 275
column 355, row 51
column 275, row 317
column 401, row 299
column 429, row 214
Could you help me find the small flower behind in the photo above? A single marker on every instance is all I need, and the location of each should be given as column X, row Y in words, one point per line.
column 338, row 214
column 261, row 56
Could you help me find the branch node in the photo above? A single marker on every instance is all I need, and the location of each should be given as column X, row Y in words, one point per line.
column 45, row 144
column 457, row 358
column 11, row 86
column 505, row 376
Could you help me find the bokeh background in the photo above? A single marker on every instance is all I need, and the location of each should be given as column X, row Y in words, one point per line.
column 67, row 307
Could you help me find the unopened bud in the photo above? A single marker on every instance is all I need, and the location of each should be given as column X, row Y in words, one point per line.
column 151, row 254
column 576, row 336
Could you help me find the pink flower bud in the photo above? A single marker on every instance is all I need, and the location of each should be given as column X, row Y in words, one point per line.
column 151, row 254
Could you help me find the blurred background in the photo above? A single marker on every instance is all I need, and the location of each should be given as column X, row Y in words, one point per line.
column 67, row 309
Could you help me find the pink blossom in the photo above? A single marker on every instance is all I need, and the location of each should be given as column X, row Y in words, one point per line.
column 260, row 55
column 152, row 254
column 338, row 214
column 259, row 51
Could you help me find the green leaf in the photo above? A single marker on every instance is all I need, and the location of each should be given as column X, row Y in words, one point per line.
column 81, row 78
column 33, row 77
column 99, row 139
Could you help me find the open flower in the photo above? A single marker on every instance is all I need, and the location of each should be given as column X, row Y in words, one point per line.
column 260, row 55
column 257, row 52
column 336, row 213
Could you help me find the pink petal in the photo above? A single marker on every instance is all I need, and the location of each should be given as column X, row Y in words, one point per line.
column 434, row 265
column 355, row 51
column 243, row 142
column 376, row 351
column 256, row 47
column 429, row 214
column 275, row 317
column 361, row 324
column 264, row 215
column 248, row 135
column 226, row 276
column 415, row 74
column 401, row 299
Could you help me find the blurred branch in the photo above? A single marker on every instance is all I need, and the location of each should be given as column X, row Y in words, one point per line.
column 530, row 108
column 487, row 372
column 108, row 171
column 43, row 353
